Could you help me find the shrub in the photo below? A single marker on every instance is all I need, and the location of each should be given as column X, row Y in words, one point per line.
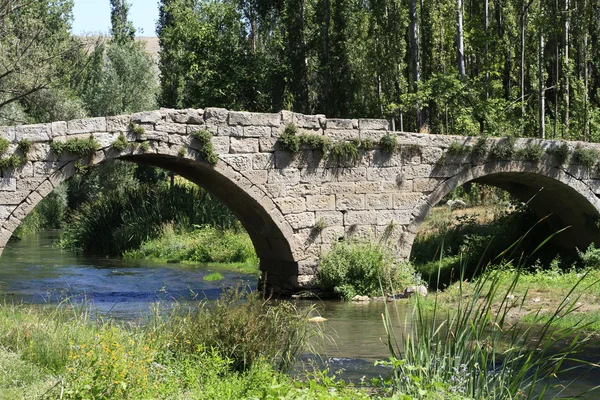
column 458, row 148
column 316, row 142
column 351, row 269
column 289, row 139
column 590, row 257
column 367, row 144
column 585, row 156
column 4, row 143
column 25, row 146
column 389, row 144
column 136, row 129
column 503, row 149
column 212, row 277
column 560, row 152
column 120, row 143
column 13, row 161
column 480, row 147
column 244, row 328
column 144, row 147
column 532, row 152
column 80, row 147
column 345, row 153
column 207, row 151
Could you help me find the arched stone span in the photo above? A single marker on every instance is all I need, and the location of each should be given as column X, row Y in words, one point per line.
column 550, row 192
column 296, row 206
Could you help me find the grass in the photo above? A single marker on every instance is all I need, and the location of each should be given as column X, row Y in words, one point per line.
column 466, row 342
column 214, row 276
column 205, row 244
column 240, row 347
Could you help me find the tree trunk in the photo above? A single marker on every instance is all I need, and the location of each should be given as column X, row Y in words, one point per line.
column 566, row 71
column 486, row 61
column 414, row 44
column 460, row 40
column 542, row 89
column 326, row 57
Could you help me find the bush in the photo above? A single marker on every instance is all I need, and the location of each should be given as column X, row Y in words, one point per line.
column 590, row 257
column 532, row 152
column 458, row 148
column 351, row 269
column 389, row 144
column 560, row 152
column 207, row 150
column 345, row 153
column 289, row 140
column 120, row 143
column 585, row 156
column 316, row 142
column 503, row 149
column 480, row 147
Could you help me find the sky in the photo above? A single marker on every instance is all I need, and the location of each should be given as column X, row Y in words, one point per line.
column 93, row 16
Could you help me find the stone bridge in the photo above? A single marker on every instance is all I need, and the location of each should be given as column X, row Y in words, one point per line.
column 297, row 205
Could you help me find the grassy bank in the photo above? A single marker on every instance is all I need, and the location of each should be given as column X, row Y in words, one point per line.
column 224, row 248
column 239, row 348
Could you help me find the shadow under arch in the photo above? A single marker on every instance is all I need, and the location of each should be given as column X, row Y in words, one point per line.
column 271, row 234
column 549, row 191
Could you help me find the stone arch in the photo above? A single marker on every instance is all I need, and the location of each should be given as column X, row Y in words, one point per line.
column 550, row 190
column 271, row 234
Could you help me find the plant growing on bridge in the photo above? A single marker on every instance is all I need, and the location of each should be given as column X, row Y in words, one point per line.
column 289, row 139
column 532, row 152
column 181, row 152
column 315, row 142
column 560, row 152
column 136, row 129
column 144, row 147
column 344, row 152
column 503, row 149
column 458, row 148
column 120, row 143
column 4, row 143
column 480, row 147
column 25, row 146
column 388, row 144
column 585, row 156
column 206, row 150
column 80, row 147
column 13, row 161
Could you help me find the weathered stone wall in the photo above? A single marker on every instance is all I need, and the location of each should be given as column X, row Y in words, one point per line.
column 281, row 197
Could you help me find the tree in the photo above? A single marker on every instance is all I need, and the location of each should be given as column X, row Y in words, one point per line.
column 40, row 61
column 122, row 29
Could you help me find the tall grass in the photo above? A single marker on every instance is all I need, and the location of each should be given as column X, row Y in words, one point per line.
column 119, row 221
column 232, row 349
column 476, row 350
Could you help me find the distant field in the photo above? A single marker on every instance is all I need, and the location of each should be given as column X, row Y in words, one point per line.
column 151, row 43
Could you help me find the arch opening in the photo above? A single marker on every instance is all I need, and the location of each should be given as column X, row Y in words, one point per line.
column 256, row 214
column 541, row 206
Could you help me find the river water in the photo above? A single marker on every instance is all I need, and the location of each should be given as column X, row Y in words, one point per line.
column 34, row 271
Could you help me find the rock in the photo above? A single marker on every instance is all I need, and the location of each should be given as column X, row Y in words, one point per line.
column 317, row 319
column 394, row 297
column 456, row 204
column 360, row 298
column 420, row 289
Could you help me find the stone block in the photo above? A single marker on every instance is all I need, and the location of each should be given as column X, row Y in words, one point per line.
column 257, row 177
column 230, row 131
column 256, row 131
column 8, row 184
column 302, row 189
column 188, row 116
column 332, row 234
column 350, row 174
column 307, row 121
column 263, row 161
column 335, row 123
column 220, row 144
column 289, row 205
column 389, row 174
column 170, row 127
column 33, row 133
column 268, row 144
column 117, row 123
column 301, row 220
column 288, row 176
column 406, row 201
column 243, row 145
column 239, row 162
column 259, row 119
column 216, row 116
column 339, row 188
column 58, row 128
column 375, row 201
column 320, row 202
column 330, row 218
column 147, row 117
column 373, row 124
column 399, row 217
column 86, row 125
column 367, row 187
column 360, row 218
column 345, row 202
column 426, row 185
column 341, row 134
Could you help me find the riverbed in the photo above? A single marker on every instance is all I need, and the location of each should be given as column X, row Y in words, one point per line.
column 35, row 271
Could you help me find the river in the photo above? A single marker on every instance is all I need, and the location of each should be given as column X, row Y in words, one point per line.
column 34, row 271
